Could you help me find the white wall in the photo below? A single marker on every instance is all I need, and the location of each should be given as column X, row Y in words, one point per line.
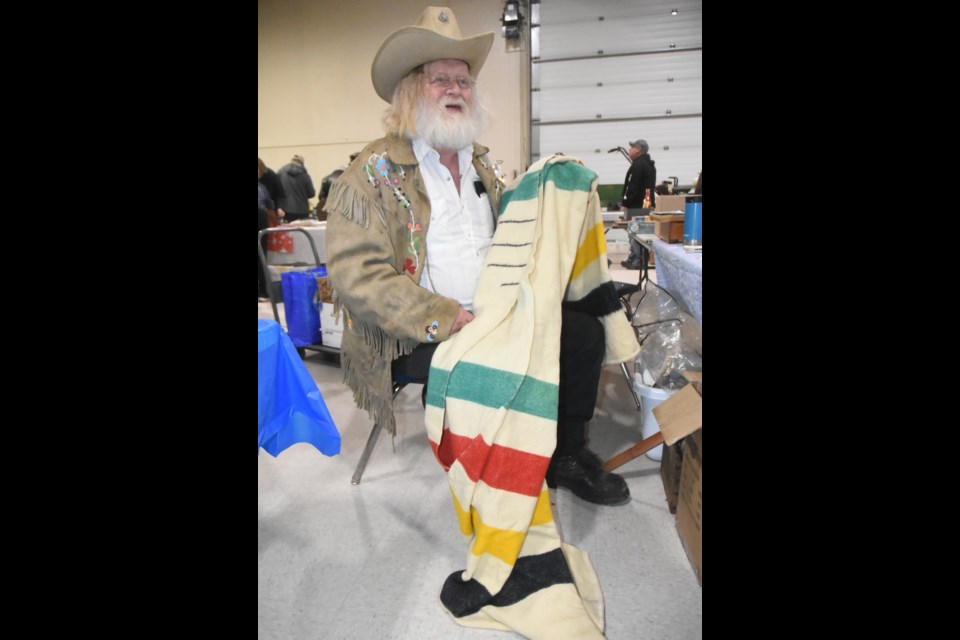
column 314, row 94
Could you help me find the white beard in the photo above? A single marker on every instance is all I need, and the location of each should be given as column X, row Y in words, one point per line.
column 444, row 130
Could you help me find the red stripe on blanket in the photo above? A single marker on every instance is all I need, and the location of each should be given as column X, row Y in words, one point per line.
column 502, row 468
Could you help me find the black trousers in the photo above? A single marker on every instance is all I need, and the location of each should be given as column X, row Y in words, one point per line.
column 581, row 358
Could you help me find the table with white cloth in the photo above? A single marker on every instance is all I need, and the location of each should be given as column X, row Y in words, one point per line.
column 681, row 273
column 294, row 248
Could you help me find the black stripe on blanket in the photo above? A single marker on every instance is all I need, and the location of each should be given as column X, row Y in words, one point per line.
column 530, row 574
column 600, row 302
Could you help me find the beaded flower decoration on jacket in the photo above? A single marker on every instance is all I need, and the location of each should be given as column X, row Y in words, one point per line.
column 500, row 182
column 380, row 173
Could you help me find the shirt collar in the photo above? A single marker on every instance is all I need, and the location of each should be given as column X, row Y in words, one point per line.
column 422, row 151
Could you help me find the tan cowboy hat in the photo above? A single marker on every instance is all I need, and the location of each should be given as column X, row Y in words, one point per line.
column 436, row 36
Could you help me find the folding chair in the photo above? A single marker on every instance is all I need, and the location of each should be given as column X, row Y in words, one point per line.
column 399, row 382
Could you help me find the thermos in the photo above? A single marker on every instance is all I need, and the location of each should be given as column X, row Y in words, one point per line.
column 693, row 224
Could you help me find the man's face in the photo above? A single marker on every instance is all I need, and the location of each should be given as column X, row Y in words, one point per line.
column 448, row 116
column 442, row 81
column 635, row 152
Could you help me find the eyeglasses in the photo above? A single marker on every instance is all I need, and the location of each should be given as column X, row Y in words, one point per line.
column 445, row 81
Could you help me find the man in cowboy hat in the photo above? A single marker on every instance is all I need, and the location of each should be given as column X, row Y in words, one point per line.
column 409, row 225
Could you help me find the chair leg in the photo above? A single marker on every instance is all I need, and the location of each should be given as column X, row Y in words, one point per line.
column 633, row 392
column 625, row 301
column 371, row 442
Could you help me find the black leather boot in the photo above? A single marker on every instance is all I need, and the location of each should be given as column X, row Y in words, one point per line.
column 581, row 473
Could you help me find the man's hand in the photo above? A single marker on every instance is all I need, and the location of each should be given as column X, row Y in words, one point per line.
column 280, row 213
column 463, row 317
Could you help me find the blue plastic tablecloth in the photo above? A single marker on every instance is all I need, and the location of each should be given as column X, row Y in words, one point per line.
column 290, row 408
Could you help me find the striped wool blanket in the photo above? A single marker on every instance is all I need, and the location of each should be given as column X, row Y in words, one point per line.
column 492, row 407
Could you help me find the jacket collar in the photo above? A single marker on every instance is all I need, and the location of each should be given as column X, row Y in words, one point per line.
column 400, row 150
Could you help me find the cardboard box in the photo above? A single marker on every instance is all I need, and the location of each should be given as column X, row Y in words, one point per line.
column 667, row 217
column 670, row 466
column 690, row 506
column 325, row 289
column 331, row 331
column 681, row 415
column 668, row 226
column 328, row 320
column 671, row 203
column 669, row 232
column 331, row 338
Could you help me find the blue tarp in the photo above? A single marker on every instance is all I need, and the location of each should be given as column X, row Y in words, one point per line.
column 290, row 408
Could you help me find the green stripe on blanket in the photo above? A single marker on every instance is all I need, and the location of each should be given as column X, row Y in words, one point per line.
column 494, row 388
column 564, row 175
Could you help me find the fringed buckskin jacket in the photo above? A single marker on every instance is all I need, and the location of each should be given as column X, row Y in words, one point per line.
column 378, row 217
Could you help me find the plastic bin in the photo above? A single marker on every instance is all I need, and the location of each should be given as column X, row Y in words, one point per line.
column 650, row 397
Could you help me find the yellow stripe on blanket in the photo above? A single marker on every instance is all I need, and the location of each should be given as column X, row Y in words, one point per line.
column 593, row 246
column 503, row 544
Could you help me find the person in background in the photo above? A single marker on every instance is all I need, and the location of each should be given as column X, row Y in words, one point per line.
column 264, row 204
column 325, row 189
column 298, row 189
column 409, row 224
column 328, row 180
column 269, row 179
column 641, row 176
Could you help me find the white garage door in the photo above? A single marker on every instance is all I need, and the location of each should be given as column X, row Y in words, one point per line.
column 609, row 71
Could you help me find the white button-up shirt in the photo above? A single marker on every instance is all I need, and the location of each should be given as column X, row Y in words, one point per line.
column 461, row 226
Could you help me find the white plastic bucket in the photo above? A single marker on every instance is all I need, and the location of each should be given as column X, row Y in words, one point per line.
column 650, row 398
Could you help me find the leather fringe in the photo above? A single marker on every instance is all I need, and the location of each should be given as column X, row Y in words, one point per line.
column 378, row 404
column 353, row 204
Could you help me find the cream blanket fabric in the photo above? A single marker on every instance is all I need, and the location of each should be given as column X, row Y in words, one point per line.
column 492, row 407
